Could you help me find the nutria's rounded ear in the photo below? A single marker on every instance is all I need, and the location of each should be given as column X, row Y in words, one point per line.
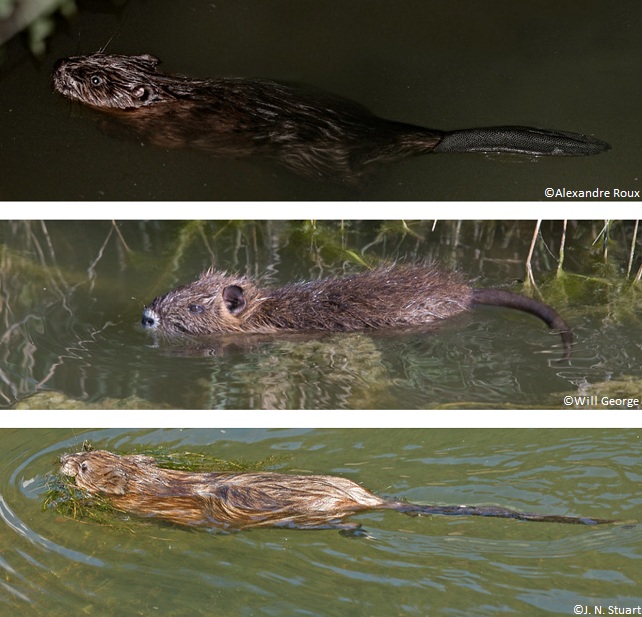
column 234, row 299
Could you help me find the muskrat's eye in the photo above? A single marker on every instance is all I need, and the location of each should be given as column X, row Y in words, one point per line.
column 84, row 466
column 195, row 308
column 96, row 80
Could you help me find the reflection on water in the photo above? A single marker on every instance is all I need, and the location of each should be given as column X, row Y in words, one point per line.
column 442, row 564
column 72, row 295
column 10, row 519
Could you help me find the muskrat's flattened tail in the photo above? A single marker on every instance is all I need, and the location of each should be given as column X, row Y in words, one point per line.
column 521, row 140
column 496, row 512
column 508, row 299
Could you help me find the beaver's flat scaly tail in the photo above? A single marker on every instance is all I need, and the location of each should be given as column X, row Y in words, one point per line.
column 508, row 299
column 522, row 140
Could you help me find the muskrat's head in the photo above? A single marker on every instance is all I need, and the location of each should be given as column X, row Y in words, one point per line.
column 109, row 81
column 215, row 303
column 101, row 471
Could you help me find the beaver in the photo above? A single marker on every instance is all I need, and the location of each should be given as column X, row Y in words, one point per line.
column 394, row 296
column 313, row 134
column 235, row 501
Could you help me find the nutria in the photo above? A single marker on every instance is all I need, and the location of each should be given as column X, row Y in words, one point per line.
column 133, row 483
column 395, row 296
column 316, row 134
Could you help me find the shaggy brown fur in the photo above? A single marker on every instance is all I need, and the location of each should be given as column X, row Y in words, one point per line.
column 314, row 134
column 135, row 484
column 388, row 297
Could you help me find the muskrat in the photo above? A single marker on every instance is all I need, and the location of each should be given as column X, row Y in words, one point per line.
column 387, row 297
column 313, row 134
column 234, row 501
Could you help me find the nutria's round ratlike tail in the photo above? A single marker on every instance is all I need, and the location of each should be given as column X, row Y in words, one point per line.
column 496, row 512
column 498, row 297
column 520, row 139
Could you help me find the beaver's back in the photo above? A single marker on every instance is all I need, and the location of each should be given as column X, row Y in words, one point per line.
column 313, row 133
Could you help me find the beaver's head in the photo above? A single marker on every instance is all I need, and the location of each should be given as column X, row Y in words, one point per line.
column 109, row 81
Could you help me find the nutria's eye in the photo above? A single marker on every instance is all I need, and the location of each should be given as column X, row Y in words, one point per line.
column 195, row 308
column 84, row 466
column 96, row 80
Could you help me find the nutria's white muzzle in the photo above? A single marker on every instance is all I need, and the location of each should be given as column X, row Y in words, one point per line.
column 150, row 319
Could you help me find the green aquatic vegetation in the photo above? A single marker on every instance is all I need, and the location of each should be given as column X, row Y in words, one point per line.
column 326, row 244
column 66, row 499
column 198, row 462
column 604, row 293
column 63, row 497
column 51, row 399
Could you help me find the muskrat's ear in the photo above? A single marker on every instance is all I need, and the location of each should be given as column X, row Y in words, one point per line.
column 118, row 482
column 234, row 299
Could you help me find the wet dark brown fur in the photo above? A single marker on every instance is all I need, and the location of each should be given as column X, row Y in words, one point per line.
column 388, row 297
column 314, row 134
column 135, row 484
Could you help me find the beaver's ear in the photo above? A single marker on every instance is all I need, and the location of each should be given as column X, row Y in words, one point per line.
column 118, row 482
column 234, row 299
column 142, row 93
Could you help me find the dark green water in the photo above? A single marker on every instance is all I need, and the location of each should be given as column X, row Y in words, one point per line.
column 444, row 65
column 408, row 566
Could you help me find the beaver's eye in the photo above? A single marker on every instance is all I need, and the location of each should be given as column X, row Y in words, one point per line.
column 195, row 308
column 96, row 80
column 84, row 466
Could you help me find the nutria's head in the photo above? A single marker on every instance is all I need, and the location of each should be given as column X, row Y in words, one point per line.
column 215, row 303
column 109, row 81
column 101, row 471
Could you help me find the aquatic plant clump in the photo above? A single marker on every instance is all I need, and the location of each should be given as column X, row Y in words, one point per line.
column 66, row 499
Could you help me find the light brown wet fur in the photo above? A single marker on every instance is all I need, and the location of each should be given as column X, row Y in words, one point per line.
column 400, row 296
column 312, row 133
column 233, row 501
